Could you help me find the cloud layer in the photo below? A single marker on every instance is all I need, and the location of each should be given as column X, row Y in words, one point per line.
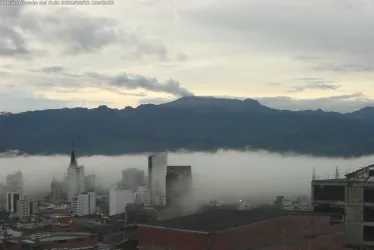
column 134, row 52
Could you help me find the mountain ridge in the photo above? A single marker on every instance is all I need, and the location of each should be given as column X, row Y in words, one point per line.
column 192, row 123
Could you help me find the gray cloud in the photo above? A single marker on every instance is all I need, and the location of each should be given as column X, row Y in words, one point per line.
column 313, row 83
column 320, row 64
column 71, row 32
column 315, row 27
column 12, row 43
column 339, row 103
column 121, row 80
column 20, row 101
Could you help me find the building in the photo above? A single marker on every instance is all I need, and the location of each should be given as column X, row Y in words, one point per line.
column 14, row 182
column 84, row 204
column 51, row 240
column 90, row 183
column 157, row 165
column 26, row 208
column 131, row 179
column 118, row 199
column 260, row 228
column 178, row 186
column 143, row 196
column 11, row 200
column 75, row 177
column 353, row 198
column 58, row 190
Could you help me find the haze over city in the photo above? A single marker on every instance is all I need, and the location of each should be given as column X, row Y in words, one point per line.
column 226, row 175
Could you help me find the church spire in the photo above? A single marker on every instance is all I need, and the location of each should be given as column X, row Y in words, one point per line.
column 73, row 159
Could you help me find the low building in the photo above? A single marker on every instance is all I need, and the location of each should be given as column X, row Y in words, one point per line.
column 84, row 204
column 52, row 240
column 251, row 229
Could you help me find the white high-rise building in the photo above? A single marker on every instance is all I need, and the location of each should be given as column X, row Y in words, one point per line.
column 118, row 200
column 75, row 177
column 12, row 199
column 84, row 204
column 157, row 165
column 14, row 182
column 143, row 196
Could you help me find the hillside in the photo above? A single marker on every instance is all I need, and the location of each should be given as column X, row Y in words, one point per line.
column 195, row 123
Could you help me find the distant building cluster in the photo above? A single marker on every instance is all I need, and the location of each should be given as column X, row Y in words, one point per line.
column 156, row 209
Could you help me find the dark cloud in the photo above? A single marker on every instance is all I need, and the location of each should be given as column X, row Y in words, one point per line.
column 114, row 83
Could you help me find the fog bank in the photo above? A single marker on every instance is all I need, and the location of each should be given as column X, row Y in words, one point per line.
column 237, row 175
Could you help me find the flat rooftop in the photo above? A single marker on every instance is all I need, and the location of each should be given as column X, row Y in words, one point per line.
column 217, row 220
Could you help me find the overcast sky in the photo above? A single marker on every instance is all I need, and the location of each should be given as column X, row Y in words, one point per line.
column 292, row 54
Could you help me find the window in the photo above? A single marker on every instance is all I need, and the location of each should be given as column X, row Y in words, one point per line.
column 329, row 193
column 368, row 194
column 368, row 214
column 368, row 233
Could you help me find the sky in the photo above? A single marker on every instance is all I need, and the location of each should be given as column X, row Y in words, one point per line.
column 216, row 176
column 289, row 54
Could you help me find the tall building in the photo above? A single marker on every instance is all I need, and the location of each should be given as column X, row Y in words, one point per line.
column 118, row 200
column 75, row 177
column 89, row 182
column 143, row 196
column 26, row 208
column 350, row 199
column 157, row 165
column 131, row 179
column 178, row 185
column 11, row 200
column 57, row 190
column 14, row 182
column 84, row 204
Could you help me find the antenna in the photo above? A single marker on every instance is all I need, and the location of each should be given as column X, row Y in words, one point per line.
column 337, row 175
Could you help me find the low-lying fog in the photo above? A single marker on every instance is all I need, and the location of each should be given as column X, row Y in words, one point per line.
column 237, row 175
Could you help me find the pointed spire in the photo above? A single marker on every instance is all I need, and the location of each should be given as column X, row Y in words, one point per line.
column 73, row 159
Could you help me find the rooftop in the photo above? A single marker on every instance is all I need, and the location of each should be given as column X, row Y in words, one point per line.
column 37, row 239
column 217, row 220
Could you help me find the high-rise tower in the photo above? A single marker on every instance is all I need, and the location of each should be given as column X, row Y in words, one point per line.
column 75, row 182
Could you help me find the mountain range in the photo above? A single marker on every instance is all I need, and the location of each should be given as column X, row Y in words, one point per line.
column 192, row 123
